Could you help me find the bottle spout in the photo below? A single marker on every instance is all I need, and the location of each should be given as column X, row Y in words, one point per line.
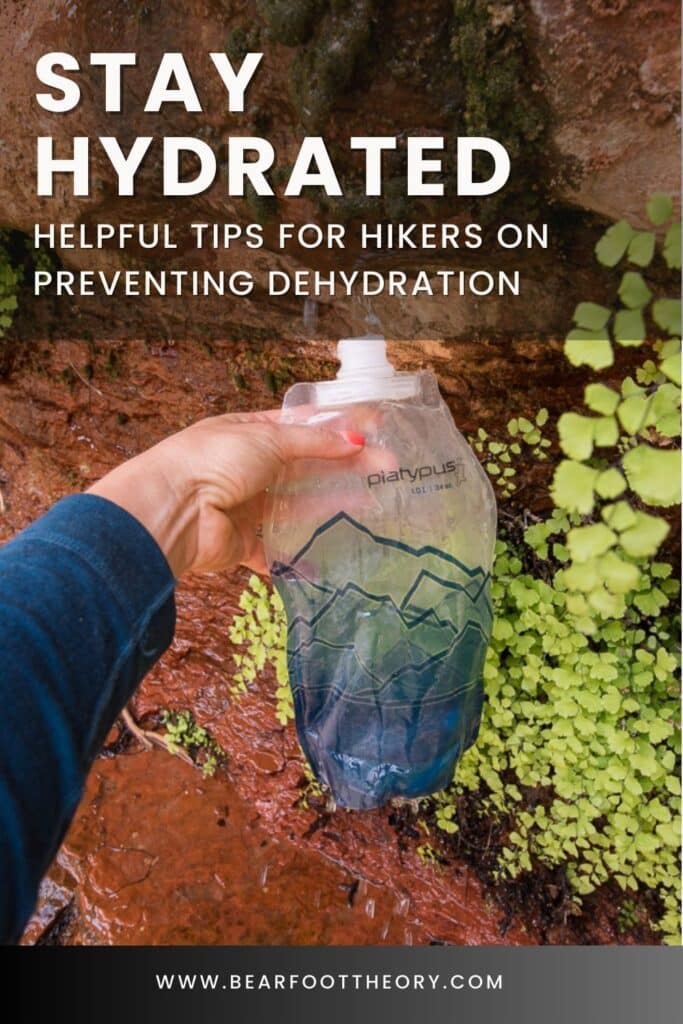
column 365, row 375
column 366, row 356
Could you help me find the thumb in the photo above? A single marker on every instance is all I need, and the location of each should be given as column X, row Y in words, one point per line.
column 300, row 442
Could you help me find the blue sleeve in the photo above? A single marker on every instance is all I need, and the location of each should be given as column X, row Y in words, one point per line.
column 86, row 608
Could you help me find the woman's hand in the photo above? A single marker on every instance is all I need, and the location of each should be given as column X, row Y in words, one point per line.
column 200, row 492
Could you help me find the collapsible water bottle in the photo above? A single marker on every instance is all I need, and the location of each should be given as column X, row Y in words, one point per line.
column 383, row 562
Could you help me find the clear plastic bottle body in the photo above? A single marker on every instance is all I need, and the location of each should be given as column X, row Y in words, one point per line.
column 383, row 563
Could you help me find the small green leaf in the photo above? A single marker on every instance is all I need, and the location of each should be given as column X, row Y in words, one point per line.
column 588, row 348
column 619, row 516
column 669, row 425
column 665, row 406
column 672, row 247
column 643, row 538
column 608, row 605
column 560, row 552
column 670, row 347
column 587, row 542
column 612, row 699
column 647, row 373
column 629, row 327
column 641, row 248
column 650, row 603
column 610, row 484
column 620, row 577
column 573, row 486
column 654, row 474
column 671, row 368
column 629, row 387
column 613, row 244
column 633, row 291
column 666, row 313
column 606, row 431
column 633, row 413
column 659, row 208
column 659, row 731
column 541, row 417
column 600, row 398
column 576, row 435
column 591, row 316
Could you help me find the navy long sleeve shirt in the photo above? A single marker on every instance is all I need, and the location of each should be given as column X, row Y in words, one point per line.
column 86, row 608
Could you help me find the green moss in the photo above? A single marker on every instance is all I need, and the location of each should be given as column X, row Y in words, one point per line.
column 290, row 23
column 262, row 208
column 10, row 279
column 325, row 69
column 243, row 40
column 489, row 46
column 469, row 59
column 415, row 50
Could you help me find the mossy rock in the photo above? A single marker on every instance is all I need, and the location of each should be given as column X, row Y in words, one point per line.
column 324, row 70
column 243, row 40
column 291, row 24
column 469, row 59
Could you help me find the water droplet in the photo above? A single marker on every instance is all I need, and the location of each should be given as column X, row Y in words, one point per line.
column 370, row 907
column 263, row 877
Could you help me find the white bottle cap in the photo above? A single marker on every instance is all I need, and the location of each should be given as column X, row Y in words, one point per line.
column 363, row 357
column 365, row 375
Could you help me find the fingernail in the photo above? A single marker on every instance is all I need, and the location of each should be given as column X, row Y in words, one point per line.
column 353, row 438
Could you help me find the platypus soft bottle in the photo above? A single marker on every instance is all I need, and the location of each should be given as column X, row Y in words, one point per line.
column 383, row 562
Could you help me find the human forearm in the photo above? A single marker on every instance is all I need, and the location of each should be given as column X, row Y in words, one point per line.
column 86, row 607
column 168, row 506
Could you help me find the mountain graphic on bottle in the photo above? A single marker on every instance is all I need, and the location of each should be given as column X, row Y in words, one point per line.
column 388, row 620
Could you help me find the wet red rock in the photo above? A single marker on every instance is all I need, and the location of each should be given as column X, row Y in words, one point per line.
column 157, row 853
column 160, row 855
